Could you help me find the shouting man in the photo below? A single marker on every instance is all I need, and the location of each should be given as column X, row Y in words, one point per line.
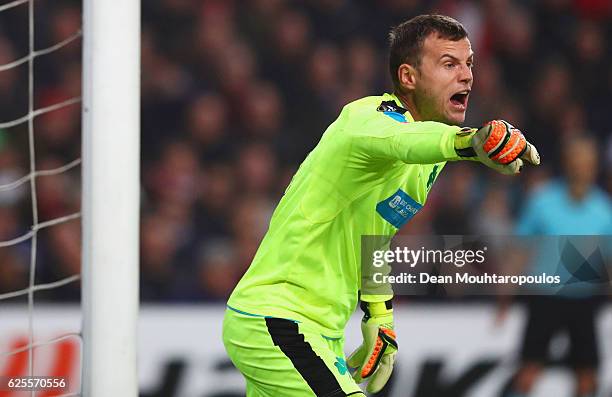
column 369, row 175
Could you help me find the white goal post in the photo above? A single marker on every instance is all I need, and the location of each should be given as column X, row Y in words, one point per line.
column 110, row 201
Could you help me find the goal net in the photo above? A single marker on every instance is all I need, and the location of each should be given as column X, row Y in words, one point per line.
column 69, row 178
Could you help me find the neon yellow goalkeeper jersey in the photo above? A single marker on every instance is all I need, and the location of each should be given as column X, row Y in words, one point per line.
column 369, row 175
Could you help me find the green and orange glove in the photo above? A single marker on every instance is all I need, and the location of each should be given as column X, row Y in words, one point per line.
column 498, row 145
column 373, row 360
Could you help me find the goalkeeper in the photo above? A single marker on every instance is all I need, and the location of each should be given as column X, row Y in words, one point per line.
column 369, row 175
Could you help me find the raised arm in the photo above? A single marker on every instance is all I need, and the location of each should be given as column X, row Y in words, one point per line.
column 497, row 145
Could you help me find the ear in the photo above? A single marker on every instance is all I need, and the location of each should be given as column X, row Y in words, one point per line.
column 407, row 76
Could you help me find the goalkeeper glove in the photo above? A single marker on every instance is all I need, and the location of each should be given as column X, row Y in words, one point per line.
column 498, row 145
column 373, row 360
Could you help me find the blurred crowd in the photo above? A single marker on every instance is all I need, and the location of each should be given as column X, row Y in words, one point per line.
column 236, row 93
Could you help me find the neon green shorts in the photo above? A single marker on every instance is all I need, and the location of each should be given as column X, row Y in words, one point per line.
column 280, row 357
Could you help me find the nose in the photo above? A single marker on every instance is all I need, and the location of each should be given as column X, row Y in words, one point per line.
column 465, row 74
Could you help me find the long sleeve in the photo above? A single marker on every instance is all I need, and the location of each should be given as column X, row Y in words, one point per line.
column 424, row 142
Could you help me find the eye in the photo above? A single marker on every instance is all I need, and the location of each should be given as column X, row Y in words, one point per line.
column 449, row 65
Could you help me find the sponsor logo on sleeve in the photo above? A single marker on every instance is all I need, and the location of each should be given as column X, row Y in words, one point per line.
column 398, row 209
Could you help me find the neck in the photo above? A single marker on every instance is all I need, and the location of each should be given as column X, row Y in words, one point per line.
column 408, row 103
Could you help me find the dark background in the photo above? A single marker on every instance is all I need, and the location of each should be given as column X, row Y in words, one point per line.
column 236, row 93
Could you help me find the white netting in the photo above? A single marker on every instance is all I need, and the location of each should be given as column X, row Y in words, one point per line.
column 26, row 123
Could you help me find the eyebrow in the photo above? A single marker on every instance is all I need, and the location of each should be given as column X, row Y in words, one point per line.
column 454, row 58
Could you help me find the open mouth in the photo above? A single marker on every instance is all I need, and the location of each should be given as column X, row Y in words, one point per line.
column 460, row 99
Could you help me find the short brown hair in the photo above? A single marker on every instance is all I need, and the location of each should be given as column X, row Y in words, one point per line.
column 406, row 40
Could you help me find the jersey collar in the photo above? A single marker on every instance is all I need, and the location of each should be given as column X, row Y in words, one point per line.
column 393, row 97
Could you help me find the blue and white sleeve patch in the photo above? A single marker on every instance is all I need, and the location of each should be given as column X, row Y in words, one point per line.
column 398, row 209
column 396, row 116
